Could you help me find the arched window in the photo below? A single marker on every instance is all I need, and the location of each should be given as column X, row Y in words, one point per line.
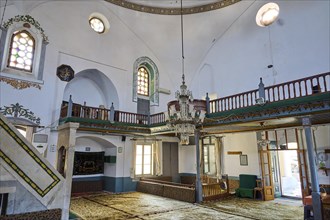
column 143, row 81
column 23, row 48
column 21, row 51
column 146, row 81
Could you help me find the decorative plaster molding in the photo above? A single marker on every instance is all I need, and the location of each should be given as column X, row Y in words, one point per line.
column 173, row 11
column 272, row 112
column 17, row 110
column 65, row 73
column 19, row 84
column 28, row 19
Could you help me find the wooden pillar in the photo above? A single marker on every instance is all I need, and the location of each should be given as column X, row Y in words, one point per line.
column 316, row 198
column 69, row 113
column 199, row 189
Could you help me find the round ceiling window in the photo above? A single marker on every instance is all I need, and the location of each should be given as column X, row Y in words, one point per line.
column 99, row 23
column 267, row 14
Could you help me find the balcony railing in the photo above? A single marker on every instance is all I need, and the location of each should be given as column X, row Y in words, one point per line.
column 289, row 90
column 131, row 118
column 88, row 112
column 82, row 111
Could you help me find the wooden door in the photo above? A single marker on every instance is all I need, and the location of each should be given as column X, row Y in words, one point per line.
column 266, row 170
column 171, row 161
column 302, row 163
column 266, row 173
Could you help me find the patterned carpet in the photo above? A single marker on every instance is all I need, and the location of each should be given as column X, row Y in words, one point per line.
column 137, row 205
column 256, row 209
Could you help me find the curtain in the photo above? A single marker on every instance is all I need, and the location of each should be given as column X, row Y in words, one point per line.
column 217, row 152
column 157, row 158
column 132, row 170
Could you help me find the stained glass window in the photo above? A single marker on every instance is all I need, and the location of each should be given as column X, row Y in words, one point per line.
column 143, row 82
column 21, row 51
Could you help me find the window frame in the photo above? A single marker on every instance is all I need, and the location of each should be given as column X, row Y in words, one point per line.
column 153, row 80
column 151, row 159
column 206, row 155
column 11, row 47
column 138, row 85
column 37, row 66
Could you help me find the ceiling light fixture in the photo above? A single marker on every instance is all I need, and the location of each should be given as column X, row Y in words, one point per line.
column 183, row 116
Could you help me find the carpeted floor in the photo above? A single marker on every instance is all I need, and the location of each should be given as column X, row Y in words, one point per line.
column 144, row 206
column 256, row 209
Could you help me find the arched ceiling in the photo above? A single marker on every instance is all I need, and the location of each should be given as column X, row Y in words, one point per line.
column 160, row 32
column 164, row 7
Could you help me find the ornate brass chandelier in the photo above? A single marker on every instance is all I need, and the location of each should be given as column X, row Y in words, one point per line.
column 182, row 114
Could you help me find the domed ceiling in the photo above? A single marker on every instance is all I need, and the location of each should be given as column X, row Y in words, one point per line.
column 172, row 7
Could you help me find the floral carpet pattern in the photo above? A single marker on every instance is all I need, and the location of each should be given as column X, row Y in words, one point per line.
column 137, row 205
column 257, row 209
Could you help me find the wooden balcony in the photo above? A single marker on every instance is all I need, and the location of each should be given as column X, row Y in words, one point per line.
column 304, row 87
column 294, row 98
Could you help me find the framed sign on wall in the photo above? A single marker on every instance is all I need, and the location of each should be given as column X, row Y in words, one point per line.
column 243, row 160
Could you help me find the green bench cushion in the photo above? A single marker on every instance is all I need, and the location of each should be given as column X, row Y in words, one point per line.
column 243, row 192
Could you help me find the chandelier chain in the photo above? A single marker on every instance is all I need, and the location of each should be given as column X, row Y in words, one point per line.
column 182, row 46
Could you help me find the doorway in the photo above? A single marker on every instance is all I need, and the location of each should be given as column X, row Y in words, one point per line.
column 288, row 163
column 289, row 170
column 170, row 161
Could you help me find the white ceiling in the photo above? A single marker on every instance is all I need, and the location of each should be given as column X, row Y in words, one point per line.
column 201, row 30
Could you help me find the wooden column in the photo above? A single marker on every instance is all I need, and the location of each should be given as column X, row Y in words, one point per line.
column 316, row 198
column 199, row 189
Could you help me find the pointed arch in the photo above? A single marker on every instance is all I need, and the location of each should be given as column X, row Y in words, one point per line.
column 153, row 79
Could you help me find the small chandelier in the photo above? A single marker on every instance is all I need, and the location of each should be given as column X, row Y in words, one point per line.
column 182, row 114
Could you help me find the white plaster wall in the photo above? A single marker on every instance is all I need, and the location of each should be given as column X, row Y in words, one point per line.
column 187, row 159
column 81, row 91
column 247, row 143
column 82, row 143
column 72, row 42
column 241, row 54
column 110, row 168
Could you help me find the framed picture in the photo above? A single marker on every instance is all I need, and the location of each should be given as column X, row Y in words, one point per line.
column 243, row 160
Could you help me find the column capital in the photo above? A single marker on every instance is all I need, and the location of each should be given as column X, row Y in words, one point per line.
column 70, row 125
column 306, row 121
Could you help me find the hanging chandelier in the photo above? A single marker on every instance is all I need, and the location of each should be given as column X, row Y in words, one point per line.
column 183, row 115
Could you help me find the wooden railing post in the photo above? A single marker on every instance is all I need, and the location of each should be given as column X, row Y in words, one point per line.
column 261, row 89
column 112, row 113
column 69, row 113
column 83, row 113
column 207, row 103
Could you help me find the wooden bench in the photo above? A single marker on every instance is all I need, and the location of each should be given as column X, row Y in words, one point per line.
column 177, row 191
